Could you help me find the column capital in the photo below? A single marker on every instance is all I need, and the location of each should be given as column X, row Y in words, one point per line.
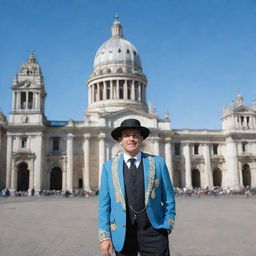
column 87, row 136
column 156, row 139
column 186, row 143
column 102, row 136
column 70, row 136
column 168, row 139
column 229, row 139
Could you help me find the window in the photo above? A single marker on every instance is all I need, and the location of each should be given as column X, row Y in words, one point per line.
column 242, row 120
column 30, row 100
column 215, row 149
column 248, row 121
column 56, row 144
column 23, row 100
column 129, row 90
column 121, row 92
column 177, row 149
column 108, row 91
column 244, row 146
column 196, row 149
column 24, row 142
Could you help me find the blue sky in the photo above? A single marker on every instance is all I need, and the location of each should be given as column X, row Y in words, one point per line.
column 197, row 54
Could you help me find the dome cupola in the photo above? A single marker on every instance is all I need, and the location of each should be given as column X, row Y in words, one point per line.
column 117, row 80
column 115, row 51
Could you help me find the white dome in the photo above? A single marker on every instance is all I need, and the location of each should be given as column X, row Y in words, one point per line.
column 117, row 50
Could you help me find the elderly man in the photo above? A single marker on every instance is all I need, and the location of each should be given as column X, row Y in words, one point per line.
column 136, row 200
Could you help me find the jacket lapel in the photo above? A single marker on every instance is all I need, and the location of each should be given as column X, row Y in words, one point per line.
column 118, row 179
column 149, row 175
column 121, row 174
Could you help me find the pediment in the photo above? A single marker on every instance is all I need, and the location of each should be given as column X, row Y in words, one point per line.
column 114, row 119
column 243, row 109
column 126, row 111
column 25, row 84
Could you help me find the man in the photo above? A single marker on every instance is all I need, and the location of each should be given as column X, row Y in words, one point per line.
column 136, row 200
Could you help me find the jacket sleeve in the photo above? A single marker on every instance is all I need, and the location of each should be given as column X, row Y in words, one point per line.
column 104, row 207
column 168, row 198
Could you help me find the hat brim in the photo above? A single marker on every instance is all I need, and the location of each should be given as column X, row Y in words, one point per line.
column 117, row 132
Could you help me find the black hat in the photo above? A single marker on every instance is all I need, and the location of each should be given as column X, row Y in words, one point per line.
column 130, row 124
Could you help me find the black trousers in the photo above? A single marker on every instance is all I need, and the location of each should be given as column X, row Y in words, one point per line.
column 145, row 240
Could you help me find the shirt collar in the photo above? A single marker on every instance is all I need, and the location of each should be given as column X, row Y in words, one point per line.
column 137, row 157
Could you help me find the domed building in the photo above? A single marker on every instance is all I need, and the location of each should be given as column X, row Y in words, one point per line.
column 39, row 154
column 117, row 80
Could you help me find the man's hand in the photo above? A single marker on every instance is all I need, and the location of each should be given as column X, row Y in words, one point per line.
column 106, row 248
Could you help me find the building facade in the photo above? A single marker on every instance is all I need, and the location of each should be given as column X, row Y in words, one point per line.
column 38, row 154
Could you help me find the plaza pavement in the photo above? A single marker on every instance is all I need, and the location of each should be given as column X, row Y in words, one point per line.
column 44, row 226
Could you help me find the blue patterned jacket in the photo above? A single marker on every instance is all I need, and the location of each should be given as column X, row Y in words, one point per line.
column 159, row 198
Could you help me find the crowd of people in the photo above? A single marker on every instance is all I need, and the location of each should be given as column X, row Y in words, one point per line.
column 214, row 191
column 66, row 193
column 195, row 192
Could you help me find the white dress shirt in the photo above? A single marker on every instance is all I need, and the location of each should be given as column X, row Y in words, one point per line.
column 137, row 159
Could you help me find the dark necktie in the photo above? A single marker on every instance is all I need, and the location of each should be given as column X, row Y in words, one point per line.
column 133, row 168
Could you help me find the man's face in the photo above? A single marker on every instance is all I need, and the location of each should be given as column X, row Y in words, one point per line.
column 131, row 140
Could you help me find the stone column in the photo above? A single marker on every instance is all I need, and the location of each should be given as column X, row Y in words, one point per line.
column 188, row 177
column 117, row 89
column 168, row 157
column 92, row 93
column 35, row 100
column 240, row 167
column 108, row 151
column 133, row 90
column 18, row 100
column 102, row 137
column 139, row 91
column 70, row 163
column 232, row 163
column 156, row 146
column 98, row 92
column 125, row 89
column 9, row 160
column 86, row 171
column 26, row 99
column 13, row 100
column 38, row 164
column 142, row 93
column 64, row 174
column 31, row 175
column 13, row 177
column 89, row 94
column 104, row 90
column 40, row 101
column 253, row 174
column 208, row 166
column 111, row 89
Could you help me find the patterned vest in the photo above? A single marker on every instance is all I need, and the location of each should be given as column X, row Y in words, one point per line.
column 135, row 193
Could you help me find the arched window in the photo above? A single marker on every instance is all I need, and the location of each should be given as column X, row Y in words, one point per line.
column 23, row 177
column 217, row 177
column 246, row 173
column 23, row 98
column 56, row 179
column 196, row 181
column 30, row 100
